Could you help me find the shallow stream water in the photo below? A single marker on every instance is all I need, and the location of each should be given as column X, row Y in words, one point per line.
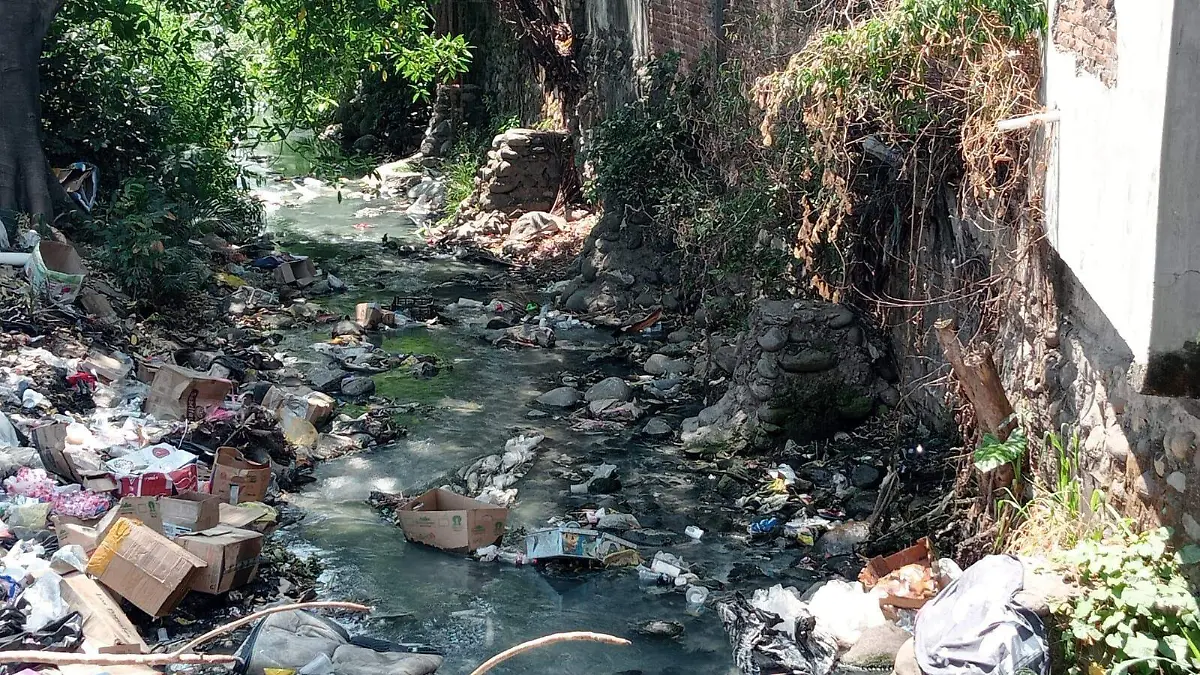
column 472, row 610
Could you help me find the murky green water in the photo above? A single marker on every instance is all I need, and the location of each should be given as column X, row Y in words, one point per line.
column 472, row 610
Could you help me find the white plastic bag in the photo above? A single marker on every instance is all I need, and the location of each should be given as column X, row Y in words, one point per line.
column 45, row 602
column 782, row 602
column 8, row 435
column 69, row 558
column 845, row 610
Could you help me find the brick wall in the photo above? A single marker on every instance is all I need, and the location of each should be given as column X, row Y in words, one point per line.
column 684, row 26
column 1088, row 29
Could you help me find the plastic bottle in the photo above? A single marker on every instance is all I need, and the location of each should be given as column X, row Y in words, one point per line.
column 696, row 595
column 693, row 532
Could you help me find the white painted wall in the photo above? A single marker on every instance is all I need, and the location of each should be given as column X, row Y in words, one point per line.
column 1102, row 192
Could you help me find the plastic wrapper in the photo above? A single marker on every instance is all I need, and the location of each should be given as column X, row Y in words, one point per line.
column 32, row 483
column 46, row 604
column 29, row 514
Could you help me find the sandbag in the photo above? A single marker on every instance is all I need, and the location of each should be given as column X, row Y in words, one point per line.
column 974, row 627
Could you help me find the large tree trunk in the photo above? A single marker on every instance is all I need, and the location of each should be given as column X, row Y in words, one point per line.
column 24, row 174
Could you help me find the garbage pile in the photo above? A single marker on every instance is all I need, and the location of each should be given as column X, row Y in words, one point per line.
column 908, row 612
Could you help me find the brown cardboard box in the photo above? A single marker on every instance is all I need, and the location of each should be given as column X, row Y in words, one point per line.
column 254, row 516
column 299, row 271
column 106, row 629
column 51, row 442
column 75, row 533
column 189, row 512
column 313, row 406
column 145, row 510
column 236, row 479
column 179, row 393
column 106, row 367
column 920, row 554
column 144, row 567
column 452, row 522
column 368, row 315
column 231, row 554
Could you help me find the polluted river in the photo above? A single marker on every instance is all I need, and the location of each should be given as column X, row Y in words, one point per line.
column 472, row 610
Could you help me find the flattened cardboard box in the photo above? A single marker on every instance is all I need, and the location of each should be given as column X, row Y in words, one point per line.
column 452, row 522
column 182, row 394
column 106, row 629
column 299, row 270
column 231, row 555
column 236, row 479
column 51, row 442
column 254, row 516
column 144, row 567
column 189, row 512
column 75, row 533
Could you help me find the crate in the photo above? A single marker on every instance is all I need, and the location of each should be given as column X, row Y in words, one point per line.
column 415, row 308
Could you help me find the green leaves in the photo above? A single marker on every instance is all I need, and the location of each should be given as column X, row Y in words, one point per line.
column 993, row 453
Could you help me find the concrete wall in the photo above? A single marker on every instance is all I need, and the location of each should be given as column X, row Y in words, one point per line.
column 1102, row 190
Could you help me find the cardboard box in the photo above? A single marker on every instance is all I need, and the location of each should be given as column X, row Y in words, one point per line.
column 452, row 522
column 313, row 406
column 298, row 271
column 251, row 516
column 106, row 629
column 236, row 479
column 189, row 512
column 574, row 542
column 368, row 315
column 231, row 555
column 879, row 567
column 144, row 510
column 144, row 567
column 156, row 470
column 77, row 534
column 68, row 462
column 56, row 272
column 180, row 393
column 106, row 367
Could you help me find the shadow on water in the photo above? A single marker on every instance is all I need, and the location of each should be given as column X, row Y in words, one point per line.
column 470, row 610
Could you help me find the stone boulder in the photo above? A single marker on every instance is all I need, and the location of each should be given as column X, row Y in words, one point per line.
column 801, row 371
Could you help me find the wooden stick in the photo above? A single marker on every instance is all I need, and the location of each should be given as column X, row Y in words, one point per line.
column 581, row 636
column 976, row 372
column 1026, row 121
column 177, row 656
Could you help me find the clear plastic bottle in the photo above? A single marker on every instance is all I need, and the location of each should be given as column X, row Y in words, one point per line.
column 696, row 595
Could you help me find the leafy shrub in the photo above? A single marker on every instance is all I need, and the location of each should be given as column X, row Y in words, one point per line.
column 1136, row 613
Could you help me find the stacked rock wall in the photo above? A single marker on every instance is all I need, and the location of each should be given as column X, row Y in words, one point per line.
column 524, row 173
column 804, row 369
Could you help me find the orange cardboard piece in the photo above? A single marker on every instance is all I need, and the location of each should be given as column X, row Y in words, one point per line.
column 189, row 512
column 236, row 479
column 231, row 555
column 144, row 567
column 879, row 567
column 179, row 393
column 106, row 629
column 452, row 522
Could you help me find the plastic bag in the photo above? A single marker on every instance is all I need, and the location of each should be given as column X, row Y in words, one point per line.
column 12, row 459
column 69, row 558
column 845, row 610
column 782, row 602
column 45, row 602
column 30, row 514
column 8, row 435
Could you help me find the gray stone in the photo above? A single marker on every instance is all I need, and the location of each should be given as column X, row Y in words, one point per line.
column 347, row 327
column 761, row 390
column 358, row 386
column 877, row 648
column 589, row 269
column 726, row 358
column 657, row 427
column 661, row 364
column 772, row 415
column 906, row 660
column 537, row 414
column 773, row 340
column 681, row 335
column 660, row 629
column 613, row 387
column 1178, row 481
column 840, row 317
column 656, row 538
column 645, row 299
column 889, row 397
column 863, row 476
column 618, row 522
column 563, row 397
column 767, row 367
column 807, row 361
column 326, row 379
column 577, row 302
column 1180, row 444
column 424, row 370
column 842, row 539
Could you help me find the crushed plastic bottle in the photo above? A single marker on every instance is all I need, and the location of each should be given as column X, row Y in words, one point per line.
column 764, row 525
column 696, row 595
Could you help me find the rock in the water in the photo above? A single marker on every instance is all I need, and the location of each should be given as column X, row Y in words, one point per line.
column 681, row 335
column 424, row 370
column 613, row 387
column 877, row 648
column 657, row 427
column 660, row 629
column 842, row 539
column 618, row 522
column 661, row 364
column 358, row 386
column 651, row 537
column 867, row 477
column 563, row 397
column 326, row 379
column 537, row 414
column 347, row 327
